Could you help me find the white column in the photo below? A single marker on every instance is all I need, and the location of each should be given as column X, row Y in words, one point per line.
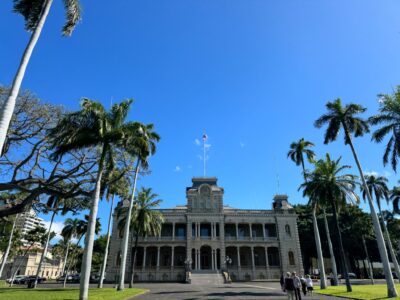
column 263, row 225
column 144, row 258
column 158, row 257
column 267, row 263
column 173, row 231
column 196, row 267
column 237, row 231
column 172, row 257
column 198, row 258
column 212, row 259
column 253, row 265
column 238, row 256
column 251, row 232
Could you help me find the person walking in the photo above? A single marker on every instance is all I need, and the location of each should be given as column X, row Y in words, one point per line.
column 309, row 284
column 289, row 286
column 297, row 285
column 303, row 285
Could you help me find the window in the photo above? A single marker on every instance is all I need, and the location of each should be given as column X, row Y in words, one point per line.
column 291, row 258
column 273, row 256
column 287, row 229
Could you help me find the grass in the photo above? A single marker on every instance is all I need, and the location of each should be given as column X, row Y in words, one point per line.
column 22, row 293
column 364, row 292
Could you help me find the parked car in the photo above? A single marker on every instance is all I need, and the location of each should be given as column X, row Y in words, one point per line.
column 351, row 276
column 17, row 279
column 70, row 278
column 32, row 278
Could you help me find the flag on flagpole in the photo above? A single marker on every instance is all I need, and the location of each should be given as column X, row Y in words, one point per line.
column 205, row 137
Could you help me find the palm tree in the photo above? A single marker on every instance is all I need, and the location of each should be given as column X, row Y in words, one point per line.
column 78, row 228
column 337, row 117
column 144, row 221
column 120, row 188
column 296, row 154
column 35, row 14
column 377, row 185
column 140, row 144
column 326, row 185
column 389, row 116
column 9, row 244
column 92, row 127
column 68, row 232
column 395, row 198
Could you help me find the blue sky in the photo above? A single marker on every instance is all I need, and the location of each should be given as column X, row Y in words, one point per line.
column 253, row 75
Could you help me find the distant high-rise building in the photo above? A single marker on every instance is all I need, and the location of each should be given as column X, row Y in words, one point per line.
column 27, row 221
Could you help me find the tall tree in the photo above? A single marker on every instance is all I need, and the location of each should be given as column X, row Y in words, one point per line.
column 34, row 13
column 326, row 185
column 53, row 206
column 34, row 237
column 140, row 144
column 69, row 231
column 296, row 154
column 395, row 199
column 377, row 186
column 9, row 244
column 119, row 187
column 337, row 117
column 145, row 220
column 92, row 127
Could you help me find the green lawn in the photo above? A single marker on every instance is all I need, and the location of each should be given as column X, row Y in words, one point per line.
column 19, row 293
column 364, row 292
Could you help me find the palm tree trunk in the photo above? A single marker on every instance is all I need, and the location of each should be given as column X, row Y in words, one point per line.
column 332, row 254
column 65, row 257
column 7, row 108
column 44, row 251
column 391, row 288
column 342, row 254
column 371, row 271
column 389, row 244
column 121, row 284
column 134, row 251
column 104, row 264
column 19, row 266
column 5, row 255
column 321, row 265
column 71, row 262
column 90, row 233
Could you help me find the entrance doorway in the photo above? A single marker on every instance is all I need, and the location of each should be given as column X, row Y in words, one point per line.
column 205, row 257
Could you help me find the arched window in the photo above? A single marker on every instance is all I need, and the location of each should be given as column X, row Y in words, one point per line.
column 287, row 229
column 291, row 258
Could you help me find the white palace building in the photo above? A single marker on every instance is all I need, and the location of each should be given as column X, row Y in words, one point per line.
column 250, row 244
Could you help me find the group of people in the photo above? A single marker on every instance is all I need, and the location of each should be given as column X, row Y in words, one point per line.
column 293, row 285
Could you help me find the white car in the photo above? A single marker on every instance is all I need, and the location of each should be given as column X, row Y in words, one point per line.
column 17, row 279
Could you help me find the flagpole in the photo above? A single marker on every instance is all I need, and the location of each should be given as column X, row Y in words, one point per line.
column 204, row 156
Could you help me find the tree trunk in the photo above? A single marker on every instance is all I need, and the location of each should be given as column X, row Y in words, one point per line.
column 134, row 251
column 391, row 288
column 104, row 264
column 5, row 255
column 342, row 254
column 321, row 265
column 19, row 266
column 389, row 244
column 371, row 270
column 90, row 233
column 7, row 108
column 44, row 251
column 65, row 257
column 72, row 260
column 121, row 284
column 332, row 254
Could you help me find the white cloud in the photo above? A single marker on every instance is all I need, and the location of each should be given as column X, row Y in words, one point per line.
column 56, row 227
column 177, row 169
column 197, row 142
column 376, row 174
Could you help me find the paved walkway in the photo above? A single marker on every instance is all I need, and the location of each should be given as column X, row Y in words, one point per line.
column 237, row 291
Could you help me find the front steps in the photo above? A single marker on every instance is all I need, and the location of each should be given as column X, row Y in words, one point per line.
column 206, row 278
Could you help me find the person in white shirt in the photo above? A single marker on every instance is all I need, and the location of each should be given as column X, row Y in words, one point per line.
column 309, row 284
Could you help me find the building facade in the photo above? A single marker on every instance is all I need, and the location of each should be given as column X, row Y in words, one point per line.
column 27, row 221
column 209, row 236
